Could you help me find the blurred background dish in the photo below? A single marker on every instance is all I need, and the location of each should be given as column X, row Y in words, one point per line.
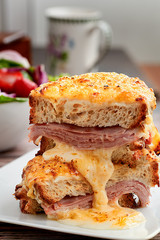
column 135, row 26
column 17, row 79
column 77, row 39
column 14, row 122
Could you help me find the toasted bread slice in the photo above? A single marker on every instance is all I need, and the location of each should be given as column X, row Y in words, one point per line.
column 93, row 99
column 49, row 181
column 52, row 180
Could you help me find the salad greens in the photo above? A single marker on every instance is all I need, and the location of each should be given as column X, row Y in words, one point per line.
column 26, row 75
column 4, row 63
column 18, row 78
column 54, row 78
column 6, row 99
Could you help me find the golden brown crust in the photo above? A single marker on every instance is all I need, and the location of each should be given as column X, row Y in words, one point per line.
column 45, row 144
column 141, row 117
column 141, row 165
column 52, row 180
column 27, row 205
column 155, row 173
column 98, row 88
column 38, row 167
column 93, row 99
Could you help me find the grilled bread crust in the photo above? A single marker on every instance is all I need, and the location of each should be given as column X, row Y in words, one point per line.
column 27, row 204
column 93, row 99
column 50, row 181
column 53, row 179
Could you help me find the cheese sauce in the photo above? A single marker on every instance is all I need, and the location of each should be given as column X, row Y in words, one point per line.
column 117, row 218
column 96, row 166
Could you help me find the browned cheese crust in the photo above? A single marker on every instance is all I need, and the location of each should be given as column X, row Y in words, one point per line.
column 93, row 99
column 51, row 180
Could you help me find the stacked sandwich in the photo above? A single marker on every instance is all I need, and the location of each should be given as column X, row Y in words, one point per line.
column 97, row 154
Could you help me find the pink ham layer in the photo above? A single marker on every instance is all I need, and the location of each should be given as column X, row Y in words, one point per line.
column 114, row 192
column 85, row 138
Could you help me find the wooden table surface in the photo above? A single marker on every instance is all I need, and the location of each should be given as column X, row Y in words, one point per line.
column 115, row 61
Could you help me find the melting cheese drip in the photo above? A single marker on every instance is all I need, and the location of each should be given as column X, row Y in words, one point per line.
column 96, row 166
column 97, row 171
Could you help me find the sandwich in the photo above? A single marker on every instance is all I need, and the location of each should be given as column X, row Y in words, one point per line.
column 98, row 155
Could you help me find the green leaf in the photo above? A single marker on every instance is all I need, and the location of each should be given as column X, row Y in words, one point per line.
column 64, row 56
column 26, row 75
column 31, row 69
column 6, row 99
column 9, row 64
column 54, row 78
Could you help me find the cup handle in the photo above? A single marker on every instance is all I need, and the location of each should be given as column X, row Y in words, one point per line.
column 105, row 43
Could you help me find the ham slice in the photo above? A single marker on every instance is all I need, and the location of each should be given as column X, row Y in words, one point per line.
column 85, row 138
column 114, row 192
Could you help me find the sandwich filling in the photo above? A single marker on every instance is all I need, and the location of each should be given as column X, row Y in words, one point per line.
column 113, row 193
column 84, row 138
column 97, row 168
column 97, row 150
column 89, row 149
column 102, row 206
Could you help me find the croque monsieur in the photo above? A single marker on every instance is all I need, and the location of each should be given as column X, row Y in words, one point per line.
column 98, row 150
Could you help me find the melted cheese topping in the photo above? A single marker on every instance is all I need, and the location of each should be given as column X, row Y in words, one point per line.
column 96, row 166
column 155, row 137
column 97, row 87
column 149, row 128
column 118, row 218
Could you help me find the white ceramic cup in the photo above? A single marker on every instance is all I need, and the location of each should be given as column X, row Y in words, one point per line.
column 78, row 39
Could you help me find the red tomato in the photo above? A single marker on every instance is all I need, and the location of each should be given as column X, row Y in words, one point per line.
column 14, row 82
column 7, row 80
column 22, row 87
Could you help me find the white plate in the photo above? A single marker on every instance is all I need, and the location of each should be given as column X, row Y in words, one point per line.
column 10, row 175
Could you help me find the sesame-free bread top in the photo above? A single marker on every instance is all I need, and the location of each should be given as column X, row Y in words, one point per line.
column 93, row 99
